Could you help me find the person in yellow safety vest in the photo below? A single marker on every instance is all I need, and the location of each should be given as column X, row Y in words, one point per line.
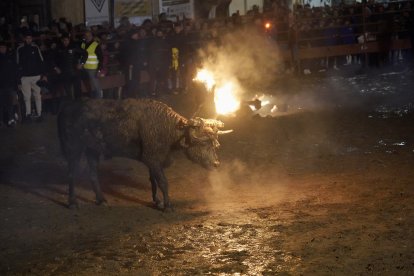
column 91, row 63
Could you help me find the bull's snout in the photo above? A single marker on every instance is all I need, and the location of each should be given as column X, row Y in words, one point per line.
column 216, row 164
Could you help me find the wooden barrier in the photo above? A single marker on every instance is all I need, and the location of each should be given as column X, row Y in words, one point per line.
column 108, row 82
column 350, row 49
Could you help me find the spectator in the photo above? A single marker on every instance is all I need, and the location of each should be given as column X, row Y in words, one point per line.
column 331, row 39
column 142, row 64
column 384, row 36
column 411, row 34
column 22, row 29
column 105, row 59
column 31, row 69
column 4, row 29
column 68, row 62
column 127, row 57
column 92, row 60
column 160, row 59
column 8, row 84
column 348, row 38
column 177, row 49
column 189, row 47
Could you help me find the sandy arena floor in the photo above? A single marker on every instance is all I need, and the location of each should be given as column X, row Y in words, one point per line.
column 325, row 188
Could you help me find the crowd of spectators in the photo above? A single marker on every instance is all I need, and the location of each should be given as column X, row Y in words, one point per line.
column 161, row 57
column 357, row 23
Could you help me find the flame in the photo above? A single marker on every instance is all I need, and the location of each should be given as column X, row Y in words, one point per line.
column 225, row 99
column 205, row 77
column 268, row 25
column 264, row 103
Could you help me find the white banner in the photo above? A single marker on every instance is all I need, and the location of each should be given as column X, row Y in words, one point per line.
column 96, row 12
column 136, row 11
column 179, row 8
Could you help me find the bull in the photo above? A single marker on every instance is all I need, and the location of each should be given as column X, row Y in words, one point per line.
column 144, row 130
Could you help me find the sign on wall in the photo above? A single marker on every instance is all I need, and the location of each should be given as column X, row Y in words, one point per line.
column 136, row 10
column 96, row 12
column 131, row 8
column 179, row 8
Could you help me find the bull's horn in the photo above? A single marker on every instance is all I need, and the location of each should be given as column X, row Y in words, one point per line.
column 221, row 132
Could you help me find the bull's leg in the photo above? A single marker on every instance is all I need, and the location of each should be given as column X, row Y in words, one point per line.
column 154, row 185
column 93, row 162
column 162, row 183
column 74, row 168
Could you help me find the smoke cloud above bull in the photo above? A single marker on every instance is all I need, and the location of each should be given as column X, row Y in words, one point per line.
column 245, row 55
column 242, row 61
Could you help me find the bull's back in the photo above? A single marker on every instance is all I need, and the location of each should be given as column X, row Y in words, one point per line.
column 115, row 128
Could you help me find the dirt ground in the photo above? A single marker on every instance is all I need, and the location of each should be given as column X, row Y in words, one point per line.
column 325, row 188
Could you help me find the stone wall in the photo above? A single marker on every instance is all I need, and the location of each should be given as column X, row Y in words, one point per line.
column 73, row 10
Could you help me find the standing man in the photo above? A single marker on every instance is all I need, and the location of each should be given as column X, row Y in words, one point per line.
column 68, row 61
column 159, row 62
column 31, row 69
column 8, row 84
column 92, row 63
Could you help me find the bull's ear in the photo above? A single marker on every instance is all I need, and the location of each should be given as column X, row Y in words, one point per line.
column 181, row 124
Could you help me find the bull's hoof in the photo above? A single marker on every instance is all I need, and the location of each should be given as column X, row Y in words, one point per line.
column 102, row 202
column 73, row 205
column 168, row 209
column 159, row 205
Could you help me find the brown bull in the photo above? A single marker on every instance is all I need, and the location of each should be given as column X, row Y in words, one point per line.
column 144, row 130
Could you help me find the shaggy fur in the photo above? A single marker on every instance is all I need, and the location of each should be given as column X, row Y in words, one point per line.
column 144, row 130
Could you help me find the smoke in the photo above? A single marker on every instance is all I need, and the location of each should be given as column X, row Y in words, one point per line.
column 236, row 184
column 244, row 57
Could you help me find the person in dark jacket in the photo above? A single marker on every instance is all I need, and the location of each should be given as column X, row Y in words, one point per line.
column 128, row 60
column 68, row 62
column 159, row 61
column 142, row 64
column 31, row 69
column 135, row 52
column 8, row 85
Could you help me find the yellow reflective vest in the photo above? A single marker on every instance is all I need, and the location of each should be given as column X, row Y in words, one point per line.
column 175, row 58
column 92, row 61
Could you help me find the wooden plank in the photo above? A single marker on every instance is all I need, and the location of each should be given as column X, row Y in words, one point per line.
column 343, row 50
column 112, row 81
column 107, row 82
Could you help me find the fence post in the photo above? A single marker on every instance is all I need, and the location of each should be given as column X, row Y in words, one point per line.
column 364, row 31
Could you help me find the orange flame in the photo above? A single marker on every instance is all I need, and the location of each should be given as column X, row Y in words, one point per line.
column 205, row 77
column 225, row 99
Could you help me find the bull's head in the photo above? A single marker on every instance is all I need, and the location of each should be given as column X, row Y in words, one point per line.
column 201, row 140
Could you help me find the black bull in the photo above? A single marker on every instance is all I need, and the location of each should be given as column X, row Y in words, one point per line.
column 143, row 130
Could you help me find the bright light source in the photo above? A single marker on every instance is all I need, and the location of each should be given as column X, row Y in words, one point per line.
column 225, row 99
column 205, row 77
